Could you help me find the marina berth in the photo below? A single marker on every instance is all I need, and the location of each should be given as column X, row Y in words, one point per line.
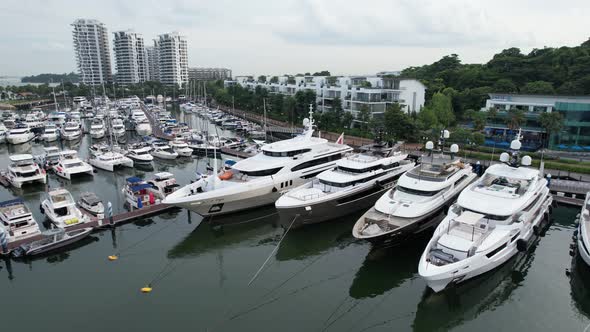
column 143, row 127
column 494, row 218
column 356, row 182
column 17, row 221
column 261, row 179
column 24, row 170
column 419, row 201
column 60, row 208
column 70, row 165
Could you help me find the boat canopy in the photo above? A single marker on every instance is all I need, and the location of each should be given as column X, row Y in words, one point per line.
column 140, row 186
column 90, row 198
column 12, row 202
column 133, row 179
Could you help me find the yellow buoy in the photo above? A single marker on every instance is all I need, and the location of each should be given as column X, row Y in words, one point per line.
column 146, row 289
column 113, row 257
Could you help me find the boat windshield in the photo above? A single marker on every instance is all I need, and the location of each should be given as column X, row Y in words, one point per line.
column 417, row 192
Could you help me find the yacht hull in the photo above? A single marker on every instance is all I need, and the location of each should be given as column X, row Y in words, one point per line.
column 440, row 277
column 583, row 245
column 412, row 227
column 329, row 210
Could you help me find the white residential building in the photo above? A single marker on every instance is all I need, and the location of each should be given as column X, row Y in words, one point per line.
column 204, row 74
column 130, row 57
column 173, row 59
column 355, row 92
column 153, row 61
column 91, row 47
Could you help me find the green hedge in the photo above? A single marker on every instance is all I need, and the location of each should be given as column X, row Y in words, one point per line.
column 569, row 166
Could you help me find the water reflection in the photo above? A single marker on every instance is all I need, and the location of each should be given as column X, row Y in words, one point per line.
column 580, row 283
column 20, row 148
column 384, row 269
column 226, row 232
column 466, row 301
column 310, row 241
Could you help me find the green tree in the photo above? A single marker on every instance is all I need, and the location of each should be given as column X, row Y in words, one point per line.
column 443, row 110
column 505, row 85
column 515, row 119
column 428, row 119
column 347, row 120
column 538, row 88
column 321, row 73
column 274, row 79
column 262, row 79
column 364, row 115
column 552, row 122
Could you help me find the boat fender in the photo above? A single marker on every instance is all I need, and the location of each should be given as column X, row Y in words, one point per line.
column 274, row 189
column 521, row 245
column 113, row 257
column 146, row 289
column 42, row 209
column 536, row 230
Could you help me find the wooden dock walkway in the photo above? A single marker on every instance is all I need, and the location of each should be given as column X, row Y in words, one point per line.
column 156, row 130
column 235, row 153
column 96, row 223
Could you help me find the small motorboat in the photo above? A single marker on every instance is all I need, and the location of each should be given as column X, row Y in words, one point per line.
column 163, row 152
column 91, row 203
column 52, row 239
column 181, row 147
column 50, row 133
column 60, row 208
column 140, row 154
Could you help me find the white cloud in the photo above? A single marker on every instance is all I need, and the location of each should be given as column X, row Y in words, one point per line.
column 277, row 37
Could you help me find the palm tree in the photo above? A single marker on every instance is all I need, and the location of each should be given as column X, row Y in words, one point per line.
column 515, row 118
column 552, row 122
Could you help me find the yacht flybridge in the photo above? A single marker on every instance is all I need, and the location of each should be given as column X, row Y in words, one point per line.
column 69, row 165
column 493, row 219
column 261, row 179
column 420, row 199
column 354, row 184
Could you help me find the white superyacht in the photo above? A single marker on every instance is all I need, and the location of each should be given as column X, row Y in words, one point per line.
column 261, row 179
column 420, row 199
column 493, row 219
column 356, row 182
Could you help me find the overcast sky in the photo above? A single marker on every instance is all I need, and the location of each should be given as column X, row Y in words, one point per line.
column 291, row 36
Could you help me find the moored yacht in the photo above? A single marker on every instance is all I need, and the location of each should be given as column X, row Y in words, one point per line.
column 420, row 199
column 97, row 129
column 356, row 182
column 17, row 221
column 139, row 193
column 103, row 157
column 69, row 164
column 71, row 131
column 3, row 132
column 164, row 182
column 60, row 208
column 260, row 180
column 23, row 169
column 50, row 133
column 181, row 147
column 118, row 127
column 19, row 134
column 494, row 218
column 162, row 150
column 143, row 127
column 91, row 203
column 140, row 154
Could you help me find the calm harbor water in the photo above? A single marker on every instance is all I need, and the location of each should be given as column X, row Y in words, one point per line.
column 320, row 278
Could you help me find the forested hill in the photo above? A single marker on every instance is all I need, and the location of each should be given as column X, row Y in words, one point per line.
column 564, row 71
column 48, row 78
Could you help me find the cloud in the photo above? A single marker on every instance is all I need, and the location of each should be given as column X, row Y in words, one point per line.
column 277, row 37
column 422, row 23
